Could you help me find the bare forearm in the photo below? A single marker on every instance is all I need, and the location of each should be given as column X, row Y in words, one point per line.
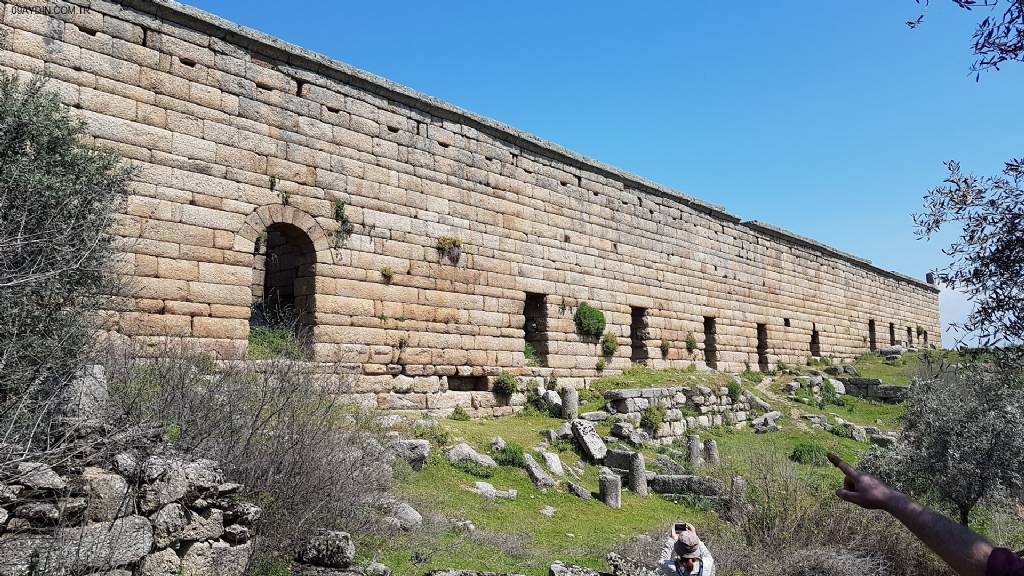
column 966, row 552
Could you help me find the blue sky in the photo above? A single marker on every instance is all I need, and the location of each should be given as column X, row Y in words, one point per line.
column 830, row 119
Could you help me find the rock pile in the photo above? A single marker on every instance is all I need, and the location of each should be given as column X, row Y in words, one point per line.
column 158, row 517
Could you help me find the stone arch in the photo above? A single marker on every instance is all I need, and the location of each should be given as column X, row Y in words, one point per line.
column 288, row 245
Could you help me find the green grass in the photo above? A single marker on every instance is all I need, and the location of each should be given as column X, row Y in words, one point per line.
column 512, row 535
column 874, row 365
column 266, row 343
column 643, row 377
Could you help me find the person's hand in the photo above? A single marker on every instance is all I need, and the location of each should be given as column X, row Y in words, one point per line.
column 861, row 488
column 672, row 532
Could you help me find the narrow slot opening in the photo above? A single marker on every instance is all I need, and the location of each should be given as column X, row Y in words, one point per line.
column 710, row 342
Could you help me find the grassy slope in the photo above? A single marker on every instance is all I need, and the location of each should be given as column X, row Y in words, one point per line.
column 514, row 536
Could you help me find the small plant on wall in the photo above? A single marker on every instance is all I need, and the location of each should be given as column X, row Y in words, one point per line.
column 589, row 321
column 665, row 347
column 387, row 274
column 450, row 247
column 601, row 364
column 345, row 227
column 609, row 344
column 505, row 384
column 691, row 343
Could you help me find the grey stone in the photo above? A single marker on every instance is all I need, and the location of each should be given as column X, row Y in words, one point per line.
column 38, row 513
column 668, row 466
column 570, row 403
column 414, row 451
column 838, row 385
column 216, row 559
column 554, row 403
column 86, row 395
column 554, row 463
column 560, row 569
column 610, row 488
column 497, row 444
column 711, row 452
column 127, row 465
column 162, row 563
column 541, row 478
column 883, row 440
column 548, row 511
column 39, row 476
column 465, row 453
column 328, row 548
column 107, row 494
column 579, row 491
column 407, row 516
column 694, row 451
column 454, row 572
column 377, row 569
column 95, row 546
column 687, row 484
column 488, row 491
column 588, row 439
column 236, row 534
column 622, row 429
column 595, row 416
column 245, row 513
column 638, row 474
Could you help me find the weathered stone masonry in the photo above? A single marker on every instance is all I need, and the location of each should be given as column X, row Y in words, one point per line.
column 242, row 139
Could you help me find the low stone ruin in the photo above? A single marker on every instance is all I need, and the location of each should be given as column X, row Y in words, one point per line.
column 873, row 389
column 159, row 517
column 686, row 408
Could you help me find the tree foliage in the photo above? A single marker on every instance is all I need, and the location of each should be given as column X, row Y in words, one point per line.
column 999, row 37
column 988, row 256
column 58, row 200
column 963, row 437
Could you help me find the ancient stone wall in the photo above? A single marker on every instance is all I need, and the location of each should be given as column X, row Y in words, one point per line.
column 262, row 164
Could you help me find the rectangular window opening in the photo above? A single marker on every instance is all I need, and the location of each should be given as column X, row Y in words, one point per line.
column 785, row 322
column 535, row 329
column 815, row 343
column 872, row 338
column 892, row 334
column 710, row 343
column 762, row 347
column 910, row 336
column 467, row 383
column 638, row 334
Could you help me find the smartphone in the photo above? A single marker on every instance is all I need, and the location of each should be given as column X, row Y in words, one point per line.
column 680, row 527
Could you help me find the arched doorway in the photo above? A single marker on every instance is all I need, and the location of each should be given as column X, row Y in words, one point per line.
column 283, row 280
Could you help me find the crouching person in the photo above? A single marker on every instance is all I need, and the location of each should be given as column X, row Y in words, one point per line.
column 684, row 553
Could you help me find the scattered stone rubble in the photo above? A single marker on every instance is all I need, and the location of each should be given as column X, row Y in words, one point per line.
column 158, row 517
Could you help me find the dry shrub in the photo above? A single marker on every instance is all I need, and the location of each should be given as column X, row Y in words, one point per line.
column 796, row 526
column 309, row 460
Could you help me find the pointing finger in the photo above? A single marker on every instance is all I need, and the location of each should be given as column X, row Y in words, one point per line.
column 838, row 463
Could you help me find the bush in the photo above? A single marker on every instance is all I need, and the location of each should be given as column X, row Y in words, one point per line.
column 307, row 458
column 438, row 435
column 829, row 394
column 58, row 202
column 450, row 247
column 589, row 321
column 601, row 364
column 665, row 347
column 459, row 414
column 530, row 354
column 652, row 417
column 735, row 391
column 268, row 342
column 751, row 376
column 473, row 469
column 691, row 343
column 808, row 453
column 535, row 403
column 505, row 384
column 609, row 344
column 387, row 274
column 510, row 455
